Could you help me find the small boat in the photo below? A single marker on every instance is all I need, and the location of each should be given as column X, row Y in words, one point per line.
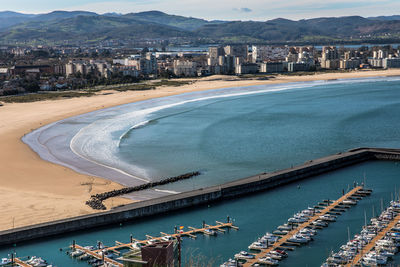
column 327, row 217
column 274, row 255
column 167, row 238
column 84, row 257
column 285, row 227
column 282, row 252
column 349, row 202
column 298, row 239
column 268, row 261
column 37, row 262
column 76, row 253
column 5, row 261
column 210, row 232
column 230, row 263
column 258, row 246
column 136, row 245
column 244, row 255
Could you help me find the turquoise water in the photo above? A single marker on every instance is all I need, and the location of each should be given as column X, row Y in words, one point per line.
column 233, row 137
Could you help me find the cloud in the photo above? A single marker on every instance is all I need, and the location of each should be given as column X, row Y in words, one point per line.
column 243, row 10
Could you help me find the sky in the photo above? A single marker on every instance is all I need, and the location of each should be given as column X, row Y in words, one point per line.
column 217, row 9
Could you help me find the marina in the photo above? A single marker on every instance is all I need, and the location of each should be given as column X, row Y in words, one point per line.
column 299, row 230
column 377, row 243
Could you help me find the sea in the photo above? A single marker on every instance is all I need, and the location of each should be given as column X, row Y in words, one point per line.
column 233, row 133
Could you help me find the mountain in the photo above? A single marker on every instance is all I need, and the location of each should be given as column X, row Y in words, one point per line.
column 181, row 22
column 10, row 18
column 394, row 17
column 59, row 15
column 83, row 26
column 89, row 28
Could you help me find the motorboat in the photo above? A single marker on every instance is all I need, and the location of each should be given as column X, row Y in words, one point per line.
column 244, row 255
column 258, row 246
column 230, row 263
column 5, row 261
column 167, row 238
column 298, row 239
column 268, row 261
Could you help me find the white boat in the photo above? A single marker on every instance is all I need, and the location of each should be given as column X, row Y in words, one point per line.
column 37, row 262
column 285, row 227
column 230, row 263
column 349, row 202
column 76, row 253
column 136, row 245
column 210, row 232
column 268, row 261
column 244, row 255
column 167, row 238
column 327, row 217
column 298, row 239
column 258, row 246
column 5, row 261
column 274, row 255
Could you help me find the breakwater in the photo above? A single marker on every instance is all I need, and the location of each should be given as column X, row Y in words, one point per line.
column 96, row 201
column 237, row 188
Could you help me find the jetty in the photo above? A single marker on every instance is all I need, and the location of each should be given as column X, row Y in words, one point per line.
column 191, row 233
column 250, row 185
column 359, row 190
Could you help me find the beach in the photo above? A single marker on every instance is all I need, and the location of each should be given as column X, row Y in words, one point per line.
column 34, row 191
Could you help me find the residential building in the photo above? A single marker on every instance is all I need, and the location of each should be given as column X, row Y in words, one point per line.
column 391, row 63
column 185, row 68
column 246, row 68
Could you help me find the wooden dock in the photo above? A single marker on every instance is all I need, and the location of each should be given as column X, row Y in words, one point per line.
column 219, row 227
column 371, row 244
column 284, row 240
column 19, row 262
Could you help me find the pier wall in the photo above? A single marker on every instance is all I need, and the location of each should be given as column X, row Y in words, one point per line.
column 161, row 205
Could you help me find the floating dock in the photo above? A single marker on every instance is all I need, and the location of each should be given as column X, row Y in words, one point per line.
column 326, row 210
column 21, row 263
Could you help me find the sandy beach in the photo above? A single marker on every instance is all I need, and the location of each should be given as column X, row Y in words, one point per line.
column 33, row 190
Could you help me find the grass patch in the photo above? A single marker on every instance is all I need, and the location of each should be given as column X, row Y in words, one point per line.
column 43, row 96
column 152, row 85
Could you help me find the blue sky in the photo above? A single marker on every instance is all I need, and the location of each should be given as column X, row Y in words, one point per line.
column 217, row 9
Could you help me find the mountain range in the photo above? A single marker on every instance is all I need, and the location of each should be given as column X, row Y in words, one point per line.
column 83, row 26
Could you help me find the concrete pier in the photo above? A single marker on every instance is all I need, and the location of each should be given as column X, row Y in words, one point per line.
column 229, row 190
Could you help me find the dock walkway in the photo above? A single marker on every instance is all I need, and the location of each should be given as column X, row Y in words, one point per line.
column 285, row 238
column 20, row 263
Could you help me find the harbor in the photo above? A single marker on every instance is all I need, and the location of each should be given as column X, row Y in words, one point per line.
column 241, row 187
column 274, row 211
column 299, row 229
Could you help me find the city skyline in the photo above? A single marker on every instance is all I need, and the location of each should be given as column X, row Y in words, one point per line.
column 222, row 10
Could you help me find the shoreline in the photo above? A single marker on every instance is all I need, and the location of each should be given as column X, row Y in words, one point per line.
column 34, row 191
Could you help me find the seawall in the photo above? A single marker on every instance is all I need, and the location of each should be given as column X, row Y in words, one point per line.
column 236, row 188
